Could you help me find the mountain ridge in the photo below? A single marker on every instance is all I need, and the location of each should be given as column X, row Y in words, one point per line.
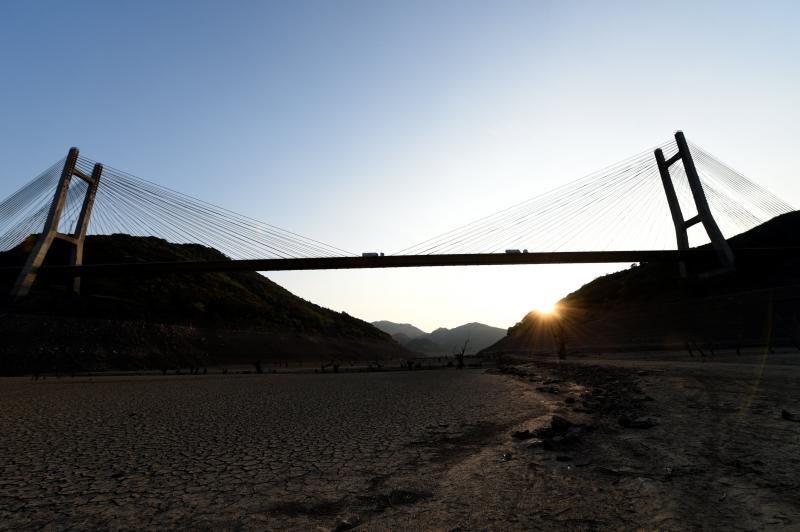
column 444, row 340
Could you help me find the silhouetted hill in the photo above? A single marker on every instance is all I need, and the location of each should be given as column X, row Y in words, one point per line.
column 479, row 335
column 240, row 316
column 406, row 329
column 442, row 341
column 649, row 306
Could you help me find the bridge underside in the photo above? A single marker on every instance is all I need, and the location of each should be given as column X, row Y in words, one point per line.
column 696, row 255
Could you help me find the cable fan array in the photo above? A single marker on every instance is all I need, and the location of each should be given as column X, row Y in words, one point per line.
column 25, row 211
column 131, row 205
column 622, row 207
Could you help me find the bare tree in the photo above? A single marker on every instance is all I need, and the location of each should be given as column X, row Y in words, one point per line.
column 560, row 336
column 460, row 355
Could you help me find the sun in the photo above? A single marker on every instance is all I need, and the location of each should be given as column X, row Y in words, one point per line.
column 548, row 309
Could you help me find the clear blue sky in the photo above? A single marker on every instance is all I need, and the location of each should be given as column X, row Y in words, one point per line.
column 414, row 116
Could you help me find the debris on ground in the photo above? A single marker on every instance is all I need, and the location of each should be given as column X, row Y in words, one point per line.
column 558, row 427
column 347, row 523
column 558, row 433
column 522, row 435
column 788, row 416
column 644, row 422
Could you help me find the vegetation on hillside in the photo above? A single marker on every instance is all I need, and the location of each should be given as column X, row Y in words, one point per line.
column 239, row 300
column 170, row 320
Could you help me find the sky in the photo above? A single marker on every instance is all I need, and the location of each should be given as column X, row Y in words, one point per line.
column 373, row 126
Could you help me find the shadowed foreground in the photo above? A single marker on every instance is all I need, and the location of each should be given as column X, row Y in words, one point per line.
column 225, row 451
column 588, row 444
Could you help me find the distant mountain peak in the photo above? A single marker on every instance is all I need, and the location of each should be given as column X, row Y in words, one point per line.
column 443, row 340
column 393, row 328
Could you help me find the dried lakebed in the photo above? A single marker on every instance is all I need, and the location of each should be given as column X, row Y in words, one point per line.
column 585, row 445
column 250, row 451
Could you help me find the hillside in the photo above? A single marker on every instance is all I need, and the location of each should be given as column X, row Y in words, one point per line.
column 649, row 306
column 479, row 335
column 442, row 340
column 224, row 316
column 407, row 330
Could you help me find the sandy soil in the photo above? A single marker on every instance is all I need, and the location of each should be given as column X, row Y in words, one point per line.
column 669, row 444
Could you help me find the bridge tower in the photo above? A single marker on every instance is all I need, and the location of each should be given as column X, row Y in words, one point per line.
column 703, row 216
column 50, row 232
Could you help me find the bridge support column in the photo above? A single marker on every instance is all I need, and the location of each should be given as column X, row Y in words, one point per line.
column 704, row 215
column 27, row 276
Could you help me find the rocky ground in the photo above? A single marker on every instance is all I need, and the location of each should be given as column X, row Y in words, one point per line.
column 669, row 444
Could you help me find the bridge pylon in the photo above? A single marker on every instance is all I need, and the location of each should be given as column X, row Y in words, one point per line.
column 50, row 232
column 704, row 216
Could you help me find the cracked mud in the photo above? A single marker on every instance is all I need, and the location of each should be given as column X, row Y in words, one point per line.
column 277, row 451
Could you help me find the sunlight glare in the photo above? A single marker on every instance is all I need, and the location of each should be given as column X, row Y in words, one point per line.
column 550, row 308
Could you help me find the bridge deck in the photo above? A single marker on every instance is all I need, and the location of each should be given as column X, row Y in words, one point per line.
column 408, row 261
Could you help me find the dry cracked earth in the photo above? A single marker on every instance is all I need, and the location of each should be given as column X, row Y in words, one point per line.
column 641, row 445
column 240, row 451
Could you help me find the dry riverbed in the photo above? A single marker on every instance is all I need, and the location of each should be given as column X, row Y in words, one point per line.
column 657, row 445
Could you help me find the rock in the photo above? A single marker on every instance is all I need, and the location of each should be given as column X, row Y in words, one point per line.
column 558, row 427
column 507, row 457
column 549, row 389
column 788, row 416
column 569, row 400
column 573, row 435
column 522, row 435
column 560, row 432
column 398, row 497
column 563, row 458
column 560, row 424
column 644, row 422
column 551, row 444
column 346, row 524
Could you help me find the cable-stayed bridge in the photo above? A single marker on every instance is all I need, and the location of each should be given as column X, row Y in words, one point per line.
column 657, row 205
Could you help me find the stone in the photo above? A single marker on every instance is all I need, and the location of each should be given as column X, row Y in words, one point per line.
column 346, row 524
column 644, row 422
column 522, row 435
